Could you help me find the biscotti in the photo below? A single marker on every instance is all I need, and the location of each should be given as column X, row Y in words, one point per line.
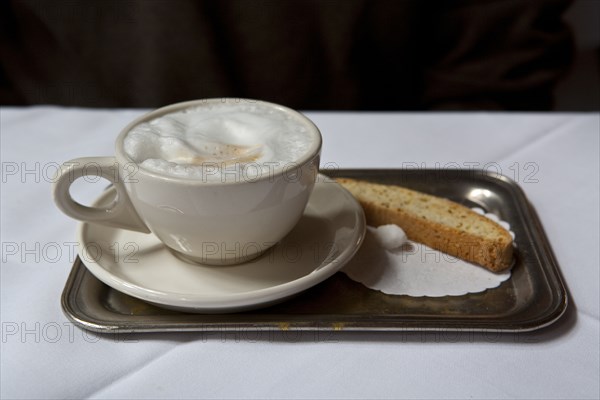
column 436, row 222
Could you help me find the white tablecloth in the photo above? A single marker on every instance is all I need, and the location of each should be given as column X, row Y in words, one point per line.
column 554, row 157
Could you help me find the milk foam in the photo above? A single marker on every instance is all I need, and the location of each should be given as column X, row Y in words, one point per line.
column 220, row 140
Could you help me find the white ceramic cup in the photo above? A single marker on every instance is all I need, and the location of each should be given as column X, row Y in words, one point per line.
column 203, row 221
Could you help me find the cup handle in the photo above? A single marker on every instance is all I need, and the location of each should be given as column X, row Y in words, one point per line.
column 120, row 213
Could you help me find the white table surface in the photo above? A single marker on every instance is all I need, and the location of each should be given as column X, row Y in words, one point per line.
column 45, row 356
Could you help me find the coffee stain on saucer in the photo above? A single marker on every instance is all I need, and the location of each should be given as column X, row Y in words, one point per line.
column 284, row 326
column 338, row 326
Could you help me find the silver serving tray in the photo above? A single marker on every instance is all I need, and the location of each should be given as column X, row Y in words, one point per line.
column 534, row 296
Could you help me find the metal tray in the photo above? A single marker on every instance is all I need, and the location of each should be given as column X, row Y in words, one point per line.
column 534, row 296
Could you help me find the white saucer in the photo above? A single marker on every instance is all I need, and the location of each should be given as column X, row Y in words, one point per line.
column 327, row 236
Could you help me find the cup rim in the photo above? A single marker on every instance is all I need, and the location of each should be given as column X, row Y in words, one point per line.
column 313, row 151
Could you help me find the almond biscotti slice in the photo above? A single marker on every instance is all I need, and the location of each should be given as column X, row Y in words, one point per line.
column 436, row 222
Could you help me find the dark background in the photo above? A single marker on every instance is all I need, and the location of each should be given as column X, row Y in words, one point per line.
column 307, row 54
column 579, row 90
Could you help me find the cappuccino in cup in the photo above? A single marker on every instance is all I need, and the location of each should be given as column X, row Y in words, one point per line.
column 223, row 141
column 218, row 181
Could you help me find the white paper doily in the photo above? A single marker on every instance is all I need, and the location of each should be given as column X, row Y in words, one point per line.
column 383, row 263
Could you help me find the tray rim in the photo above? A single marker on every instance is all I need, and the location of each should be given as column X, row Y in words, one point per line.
column 526, row 212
